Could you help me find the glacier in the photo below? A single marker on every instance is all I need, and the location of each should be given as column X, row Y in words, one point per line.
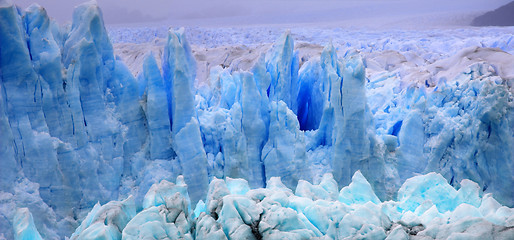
column 427, row 208
column 376, row 143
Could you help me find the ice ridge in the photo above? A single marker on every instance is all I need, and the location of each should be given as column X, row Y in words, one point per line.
column 77, row 129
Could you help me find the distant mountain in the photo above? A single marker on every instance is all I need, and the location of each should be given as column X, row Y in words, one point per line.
column 503, row 16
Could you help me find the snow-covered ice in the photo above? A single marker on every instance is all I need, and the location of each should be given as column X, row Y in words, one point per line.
column 235, row 133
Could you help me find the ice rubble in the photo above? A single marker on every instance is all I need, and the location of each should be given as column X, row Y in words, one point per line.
column 427, row 208
column 78, row 128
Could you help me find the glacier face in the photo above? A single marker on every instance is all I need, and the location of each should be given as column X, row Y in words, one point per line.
column 77, row 128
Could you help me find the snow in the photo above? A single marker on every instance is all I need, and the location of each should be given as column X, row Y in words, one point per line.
column 258, row 134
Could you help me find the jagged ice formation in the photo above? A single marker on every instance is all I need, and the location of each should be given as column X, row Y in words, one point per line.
column 77, row 128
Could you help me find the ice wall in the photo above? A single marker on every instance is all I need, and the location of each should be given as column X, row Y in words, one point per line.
column 78, row 128
column 71, row 121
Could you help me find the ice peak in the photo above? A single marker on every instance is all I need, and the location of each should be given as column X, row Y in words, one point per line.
column 358, row 192
column 24, row 227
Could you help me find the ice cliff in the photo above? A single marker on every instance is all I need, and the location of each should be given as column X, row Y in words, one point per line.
column 78, row 129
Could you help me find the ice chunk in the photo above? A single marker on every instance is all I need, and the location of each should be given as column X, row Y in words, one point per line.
column 217, row 190
column 366, row 221
column 24, row 228
column 489, row 205
column 431, row 187
column 200, row 208
column 237, row 186
column 467, row 228
column 208, row 228
column 239, row 217
column 276, row 184
column 397, row 234
column 464, row 211
column 330, row 185
column 151, row 224
column 326, row 190
column 358, row 192
column 324, row 214
column 369, row 231
column 170, row 220
column 469, row 193
column 107, row 221
column 430, row 215
column 313, row 192
column 160, row 192
column 283, row 223
column 410, row 219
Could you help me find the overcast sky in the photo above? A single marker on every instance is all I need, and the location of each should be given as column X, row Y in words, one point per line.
column 223, row 12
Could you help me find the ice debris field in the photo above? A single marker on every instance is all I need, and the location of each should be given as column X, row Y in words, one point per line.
column 373, row 135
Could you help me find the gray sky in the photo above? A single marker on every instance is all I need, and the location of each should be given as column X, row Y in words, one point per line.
column 230, row 12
